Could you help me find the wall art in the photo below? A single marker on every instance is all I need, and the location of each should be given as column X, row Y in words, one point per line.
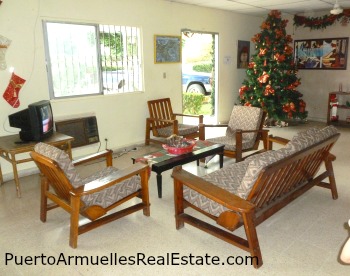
column 167, row 49
column 325, row 53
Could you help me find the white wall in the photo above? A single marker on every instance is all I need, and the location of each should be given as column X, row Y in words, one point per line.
column 121, row 118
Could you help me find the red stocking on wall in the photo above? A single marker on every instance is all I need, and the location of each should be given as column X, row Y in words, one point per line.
column 12, row 90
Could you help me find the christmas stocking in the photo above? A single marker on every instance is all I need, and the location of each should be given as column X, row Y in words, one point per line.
column 12, row 90
column 4, row 43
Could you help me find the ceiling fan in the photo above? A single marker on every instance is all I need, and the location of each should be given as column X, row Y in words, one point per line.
column 336, row 9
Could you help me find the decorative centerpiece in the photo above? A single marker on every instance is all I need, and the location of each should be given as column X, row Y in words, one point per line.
column 179, row 145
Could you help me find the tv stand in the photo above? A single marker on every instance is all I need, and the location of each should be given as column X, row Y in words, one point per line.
column 11, row 145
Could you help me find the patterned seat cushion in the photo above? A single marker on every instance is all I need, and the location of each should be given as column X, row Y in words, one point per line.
column 111, row 194
column 102, row 198
column 230, row 142
column 244, row 118
column 227, row 178
column 182, row 128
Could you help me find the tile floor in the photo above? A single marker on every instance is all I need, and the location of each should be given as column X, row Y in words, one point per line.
column 304, row 238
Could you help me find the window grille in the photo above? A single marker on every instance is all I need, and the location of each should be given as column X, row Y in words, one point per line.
column 89, row 59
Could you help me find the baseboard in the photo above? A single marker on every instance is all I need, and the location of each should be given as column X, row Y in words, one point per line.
column 21, row 173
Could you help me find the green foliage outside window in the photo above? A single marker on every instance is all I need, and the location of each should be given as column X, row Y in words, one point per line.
column 192, row 103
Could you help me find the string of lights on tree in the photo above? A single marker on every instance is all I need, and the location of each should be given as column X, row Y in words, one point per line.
column 272, row 79
column 322, row 22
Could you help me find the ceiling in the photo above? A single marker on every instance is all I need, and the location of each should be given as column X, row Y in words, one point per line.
column 262, row 7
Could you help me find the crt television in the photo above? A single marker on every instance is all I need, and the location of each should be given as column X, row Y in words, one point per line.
column 35, row 122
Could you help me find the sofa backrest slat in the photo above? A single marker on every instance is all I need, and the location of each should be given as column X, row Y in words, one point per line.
column 161, row 109
column 288, row 179
column 279, row 178
column 276, row 184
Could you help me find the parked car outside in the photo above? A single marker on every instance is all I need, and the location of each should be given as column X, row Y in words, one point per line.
column 197, row 82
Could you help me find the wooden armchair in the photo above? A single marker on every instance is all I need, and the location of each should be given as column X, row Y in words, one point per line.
column 93, row 196
column 244, row 132
column 163, row 123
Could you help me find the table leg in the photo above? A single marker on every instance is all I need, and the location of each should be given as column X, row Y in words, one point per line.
column 15, row 174
column 221, row 160
column 159, row 185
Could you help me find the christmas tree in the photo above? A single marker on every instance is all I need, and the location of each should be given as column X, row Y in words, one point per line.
column 272, row 75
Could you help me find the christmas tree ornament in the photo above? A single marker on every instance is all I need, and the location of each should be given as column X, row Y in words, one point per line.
column 11, row 93
column 4, row 44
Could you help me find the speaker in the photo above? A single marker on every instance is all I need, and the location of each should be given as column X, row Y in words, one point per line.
column 84, row 130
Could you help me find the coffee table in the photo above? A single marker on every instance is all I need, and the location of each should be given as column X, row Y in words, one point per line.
column 161, row 160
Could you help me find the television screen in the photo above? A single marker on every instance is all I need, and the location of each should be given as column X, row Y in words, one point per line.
column 35, row 122
column 46, row 117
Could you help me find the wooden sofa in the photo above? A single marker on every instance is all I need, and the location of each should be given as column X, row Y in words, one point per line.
column 249, row 192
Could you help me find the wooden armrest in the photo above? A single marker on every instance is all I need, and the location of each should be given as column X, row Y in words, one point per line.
column 331, row 157
column 110, row 180
column 107, row 154
column 211, row 191
column 220, row 125
column 188, row 115
column 200, row 117
column 252, row 130
column 278, row 140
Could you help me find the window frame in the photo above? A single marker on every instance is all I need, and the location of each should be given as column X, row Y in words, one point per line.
column 102, row 90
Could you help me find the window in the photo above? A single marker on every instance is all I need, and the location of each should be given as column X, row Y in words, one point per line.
column 88, row 59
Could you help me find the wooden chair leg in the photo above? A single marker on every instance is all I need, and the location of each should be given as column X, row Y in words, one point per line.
column 329, row 168
column 43, row 198
column 178, row 201
column 201, row 134
column 145, row 193
column 148, row 132
column 252, row 238
column 265, row 139
column 239, row 142
column 74, row 222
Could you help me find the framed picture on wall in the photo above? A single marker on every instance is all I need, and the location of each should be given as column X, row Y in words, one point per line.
column 167, row 49
column 243, row 50
column 325, row 53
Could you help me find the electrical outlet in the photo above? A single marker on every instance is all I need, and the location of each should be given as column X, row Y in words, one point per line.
column 106, row 141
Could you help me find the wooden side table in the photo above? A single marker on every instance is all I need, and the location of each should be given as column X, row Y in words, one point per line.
column 11, row 145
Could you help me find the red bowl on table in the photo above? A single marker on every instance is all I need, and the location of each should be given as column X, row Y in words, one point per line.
column 180, row 150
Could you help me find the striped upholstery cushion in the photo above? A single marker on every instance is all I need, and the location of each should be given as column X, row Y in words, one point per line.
column 328, row 131
column 111, row 194
column 227, row 178
column 245, row 118
column 309, row 137
column 183, row 130
column 62, row 160
column 230, row 142
column 256, row 164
